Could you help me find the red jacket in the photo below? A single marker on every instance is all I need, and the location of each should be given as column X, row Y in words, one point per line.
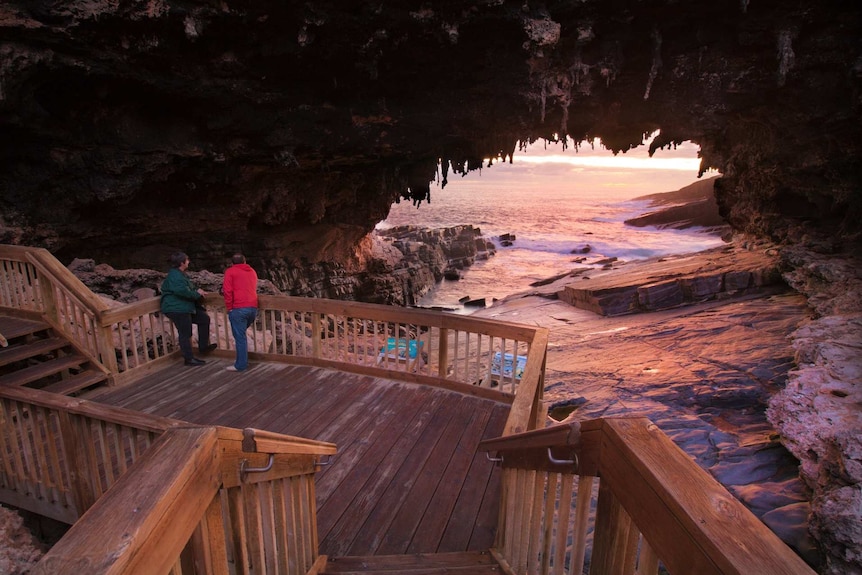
column 240, row 287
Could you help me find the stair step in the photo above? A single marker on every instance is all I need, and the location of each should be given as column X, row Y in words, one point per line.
column 77, row 382
column 23, row 351
column 466, row 563
column 15, row 327
column 42, row 370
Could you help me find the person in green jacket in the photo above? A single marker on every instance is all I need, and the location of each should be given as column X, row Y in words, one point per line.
column 182, row 303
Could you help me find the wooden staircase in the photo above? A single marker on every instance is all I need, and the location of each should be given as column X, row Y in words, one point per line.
column 466, row 563
column 37, row 357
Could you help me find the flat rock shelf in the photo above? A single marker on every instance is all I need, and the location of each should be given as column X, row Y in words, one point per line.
column 670, row 281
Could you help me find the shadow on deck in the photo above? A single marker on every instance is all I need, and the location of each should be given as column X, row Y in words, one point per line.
column 407, row 477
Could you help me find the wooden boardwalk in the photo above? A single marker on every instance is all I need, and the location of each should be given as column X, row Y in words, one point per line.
column 407, row 477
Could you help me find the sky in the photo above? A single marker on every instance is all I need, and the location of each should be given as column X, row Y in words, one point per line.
column 591, row 167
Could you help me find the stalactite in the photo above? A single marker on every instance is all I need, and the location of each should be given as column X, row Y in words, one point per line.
column 656, row 61
column 786, row 56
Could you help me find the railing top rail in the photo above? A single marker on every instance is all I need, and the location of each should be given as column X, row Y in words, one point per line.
column 15, row 253
column 370, row 311
column 524, row 406
column 47, row 264
column 262, row 441
column 127, row 311
column 397, row 314
column 107, row 413
column 126, row 530
column 565, row 435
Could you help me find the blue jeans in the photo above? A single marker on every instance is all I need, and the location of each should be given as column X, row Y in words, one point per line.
column 183, row 322
column 241, row 319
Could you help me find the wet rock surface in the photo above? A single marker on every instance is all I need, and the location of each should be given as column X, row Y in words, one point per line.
column 704, row 375
column 759, row 390
column 660, row 283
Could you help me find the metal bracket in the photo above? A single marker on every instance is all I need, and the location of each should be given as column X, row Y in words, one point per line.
column 556, row 461
column 493, row 459
column 243, row 470
column 327, row 461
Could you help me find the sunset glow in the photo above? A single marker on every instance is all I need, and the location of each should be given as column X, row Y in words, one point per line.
column 615, row 162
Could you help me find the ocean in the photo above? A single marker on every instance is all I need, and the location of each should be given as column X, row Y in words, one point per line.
column 553, row 209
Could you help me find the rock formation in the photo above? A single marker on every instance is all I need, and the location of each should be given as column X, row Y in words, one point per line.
column 819, row 412
column 693, row 205
column 401, row 265
column 19, row 549
column 287, row 129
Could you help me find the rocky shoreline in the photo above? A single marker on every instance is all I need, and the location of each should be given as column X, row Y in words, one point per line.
column 760, row 386
column 747, row 356
column 396, row 267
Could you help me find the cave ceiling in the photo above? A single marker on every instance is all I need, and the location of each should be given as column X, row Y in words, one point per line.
column 131, row 127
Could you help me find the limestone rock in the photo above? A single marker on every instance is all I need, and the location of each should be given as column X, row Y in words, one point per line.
column 669, row 281
column 19, row 550
column 133, row 128
column 398, row 266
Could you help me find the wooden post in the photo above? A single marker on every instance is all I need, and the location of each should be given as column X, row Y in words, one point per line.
column 81, row 489
column 49, row 304
column 315, row 335
column 443, row 353
column 615, row 541
column 105, row 342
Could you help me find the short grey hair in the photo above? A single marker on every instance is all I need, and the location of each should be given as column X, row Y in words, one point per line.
column 177, row 259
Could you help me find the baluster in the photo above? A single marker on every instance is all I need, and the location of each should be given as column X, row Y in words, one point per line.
column 581, row 523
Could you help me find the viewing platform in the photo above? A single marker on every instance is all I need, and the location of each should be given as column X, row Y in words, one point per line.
column 408, row 476
column 333, row 453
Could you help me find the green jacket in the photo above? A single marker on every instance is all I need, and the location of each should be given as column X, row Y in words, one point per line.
column 179, row 294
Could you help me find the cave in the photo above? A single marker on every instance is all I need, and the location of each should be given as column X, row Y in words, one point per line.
column 134, row 128
column 288, row 129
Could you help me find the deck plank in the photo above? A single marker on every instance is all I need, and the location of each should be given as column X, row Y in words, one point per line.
column 468, row 526
column 12, row 327
column 406, row 476
column 431, row 527
column 388, row 480
column 362, row 450
column 406, row 521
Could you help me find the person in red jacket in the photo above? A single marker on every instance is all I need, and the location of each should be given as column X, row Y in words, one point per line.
column 240, row 299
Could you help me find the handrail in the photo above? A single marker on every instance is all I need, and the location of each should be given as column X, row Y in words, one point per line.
column 261, row 441
column 48, row 265
column 144, row 522
column 473, row 355
column 526, row 412
column 655, row 505
column 82, row 407
column 138, row 486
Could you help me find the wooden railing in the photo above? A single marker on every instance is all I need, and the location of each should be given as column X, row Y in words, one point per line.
column 619, row 495
column 34, row 284
column 482, row 357
column 407, row 344
column 60, row 456
column 182, row 499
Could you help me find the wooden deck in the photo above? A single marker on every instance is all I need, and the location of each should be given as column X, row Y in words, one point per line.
column 407, row 477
